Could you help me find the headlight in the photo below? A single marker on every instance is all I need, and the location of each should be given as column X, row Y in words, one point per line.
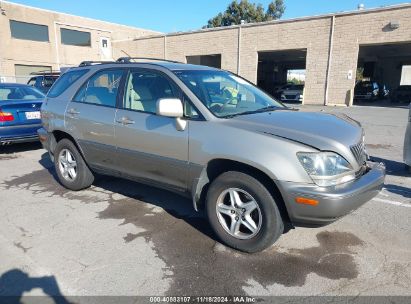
column 326, row 168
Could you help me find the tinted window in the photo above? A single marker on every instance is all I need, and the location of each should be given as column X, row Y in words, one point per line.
column 32, row 82
column 48, row 81
column 296, row 87
column 101, row 89
column 65, row 80
column 29, row 31
column 71, row 37
column 19, row 92
column 144, row 88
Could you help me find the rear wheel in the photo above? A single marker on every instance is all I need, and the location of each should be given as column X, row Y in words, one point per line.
column 243, row 213
column 70, row 166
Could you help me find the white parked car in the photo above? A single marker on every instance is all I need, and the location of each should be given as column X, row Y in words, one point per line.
column 294, row 93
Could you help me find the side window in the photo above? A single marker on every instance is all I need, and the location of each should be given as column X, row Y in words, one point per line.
column 65, row 80
column 189, row 110
column 32, row 82
column 144, row 88
column 101, row 89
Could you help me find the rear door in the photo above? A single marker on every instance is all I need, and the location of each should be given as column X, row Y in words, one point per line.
column 149, row 146
column 90, row 117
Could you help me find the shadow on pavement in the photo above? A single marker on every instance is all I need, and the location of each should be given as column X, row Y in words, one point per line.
column 15, row 282
column 381, row 104
column 394, row 168
column 23, row 147
column 174, row 204
column 403, row 191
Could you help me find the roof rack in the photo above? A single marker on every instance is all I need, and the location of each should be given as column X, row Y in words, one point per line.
column 87, row 63
column 129, row 59
column 46, row 72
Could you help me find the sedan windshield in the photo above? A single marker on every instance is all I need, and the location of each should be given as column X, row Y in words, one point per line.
column 19, row 92
column 227, row 95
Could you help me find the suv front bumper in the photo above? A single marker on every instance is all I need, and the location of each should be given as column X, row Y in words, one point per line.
column 333, row 202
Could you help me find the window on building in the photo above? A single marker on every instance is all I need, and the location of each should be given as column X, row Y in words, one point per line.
column 72, row 37
column 29, row 31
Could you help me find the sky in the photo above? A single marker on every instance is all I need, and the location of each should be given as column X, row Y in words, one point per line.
column 184, row 15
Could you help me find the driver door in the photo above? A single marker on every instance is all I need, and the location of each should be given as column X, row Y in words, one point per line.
column 149, row 146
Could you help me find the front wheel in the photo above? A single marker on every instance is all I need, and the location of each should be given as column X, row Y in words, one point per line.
column 243, row 213
column 72, row 170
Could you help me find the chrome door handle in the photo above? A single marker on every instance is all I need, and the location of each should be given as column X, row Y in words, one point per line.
column 125, row 121
column 73, row 112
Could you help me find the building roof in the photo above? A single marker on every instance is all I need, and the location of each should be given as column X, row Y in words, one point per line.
column 71, row 15
column 306, row 18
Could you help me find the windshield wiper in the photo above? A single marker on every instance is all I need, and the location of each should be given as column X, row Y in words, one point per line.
column 265, row 109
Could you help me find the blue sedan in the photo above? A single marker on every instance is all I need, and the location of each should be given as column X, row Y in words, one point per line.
column 19, row 113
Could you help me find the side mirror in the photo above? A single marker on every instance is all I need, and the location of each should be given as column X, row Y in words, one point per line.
column 172, row 107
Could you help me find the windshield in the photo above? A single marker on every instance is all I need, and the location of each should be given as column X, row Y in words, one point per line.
column 296, row 88
column 49, row 80
column 19, row 92
column 225, row 94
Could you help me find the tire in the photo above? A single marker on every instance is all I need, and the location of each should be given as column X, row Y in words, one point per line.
column 76, row 177
column 266, row 217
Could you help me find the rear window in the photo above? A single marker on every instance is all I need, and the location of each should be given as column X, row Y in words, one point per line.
column 65, row 80
column 19, row 93
column 49, row 81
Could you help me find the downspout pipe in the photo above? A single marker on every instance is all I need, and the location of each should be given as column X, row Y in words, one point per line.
column 330, row 54
column 239, row 50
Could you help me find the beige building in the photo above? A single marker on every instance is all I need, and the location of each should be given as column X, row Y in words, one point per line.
column 329, row 49
column 34, row 39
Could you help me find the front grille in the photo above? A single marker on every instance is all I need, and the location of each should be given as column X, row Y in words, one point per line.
column 359, row 152
column 290, row 96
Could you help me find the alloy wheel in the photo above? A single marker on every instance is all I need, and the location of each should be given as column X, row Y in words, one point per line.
column 238, row 213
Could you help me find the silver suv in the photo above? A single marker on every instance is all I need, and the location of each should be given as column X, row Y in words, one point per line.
column 252, row 163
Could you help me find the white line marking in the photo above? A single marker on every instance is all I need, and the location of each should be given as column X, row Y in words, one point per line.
column 391, row 202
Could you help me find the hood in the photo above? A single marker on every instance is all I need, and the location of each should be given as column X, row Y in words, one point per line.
column 291, row 92
column 323, row 131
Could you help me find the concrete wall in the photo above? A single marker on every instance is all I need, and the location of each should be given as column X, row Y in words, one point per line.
column 314, row 34
column 53, row 53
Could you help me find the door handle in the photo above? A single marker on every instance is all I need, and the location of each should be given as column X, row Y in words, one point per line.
column 73, row 112
column 125, row 121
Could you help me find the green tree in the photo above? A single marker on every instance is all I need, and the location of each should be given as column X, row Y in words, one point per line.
column 275, row 10
column 247, row 11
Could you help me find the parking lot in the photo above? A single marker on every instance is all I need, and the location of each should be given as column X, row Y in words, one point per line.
column 123, row 238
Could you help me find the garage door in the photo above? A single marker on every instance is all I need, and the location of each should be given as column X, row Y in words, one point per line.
column 23, row 71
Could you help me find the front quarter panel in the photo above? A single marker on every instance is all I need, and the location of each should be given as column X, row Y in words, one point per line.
column 275, row 156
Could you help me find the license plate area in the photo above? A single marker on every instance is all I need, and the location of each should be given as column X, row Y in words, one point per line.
column 33, row 115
